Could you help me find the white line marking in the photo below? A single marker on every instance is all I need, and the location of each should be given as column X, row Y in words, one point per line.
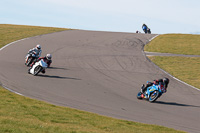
column 153, row 38
column 2, row 49
column 12, row 43
column 12, row 90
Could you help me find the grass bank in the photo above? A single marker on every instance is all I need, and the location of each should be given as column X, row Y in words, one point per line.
column 176, row 44
column 10, row 33
column 20, row 114
column 183, row 68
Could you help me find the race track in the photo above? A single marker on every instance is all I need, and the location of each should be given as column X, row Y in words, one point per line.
column 100, row 72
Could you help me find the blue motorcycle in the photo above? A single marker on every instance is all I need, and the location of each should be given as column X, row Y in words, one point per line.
column 152, row 93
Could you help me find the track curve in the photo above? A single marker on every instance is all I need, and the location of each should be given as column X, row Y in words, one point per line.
column 100, row 72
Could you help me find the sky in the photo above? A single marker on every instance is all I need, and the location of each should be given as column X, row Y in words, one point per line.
column 161, row 16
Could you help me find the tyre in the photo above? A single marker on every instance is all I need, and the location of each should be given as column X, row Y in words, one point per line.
column 154, row 96
column 37, row 70
column 139, row 95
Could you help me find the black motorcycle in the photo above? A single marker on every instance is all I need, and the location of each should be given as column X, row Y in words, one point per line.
column 30, row 57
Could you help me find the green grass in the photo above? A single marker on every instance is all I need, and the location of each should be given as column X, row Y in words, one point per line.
column 10, row 33
column 186, row 69
column 183, row 68
column 20, row 114
column 176, row 44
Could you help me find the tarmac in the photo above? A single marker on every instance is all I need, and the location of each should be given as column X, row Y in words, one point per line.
column 100, row 72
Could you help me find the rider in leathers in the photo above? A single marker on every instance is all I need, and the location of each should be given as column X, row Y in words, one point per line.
column 144, row 27
column 36, row 50
column 46, row 59
column 164, row 82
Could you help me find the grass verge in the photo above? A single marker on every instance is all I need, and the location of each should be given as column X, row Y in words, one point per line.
column 20, row 114
column 183, row 68
column 176, row 44
column 10, row 33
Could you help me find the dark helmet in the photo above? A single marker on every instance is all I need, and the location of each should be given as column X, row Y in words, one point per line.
column 166, row 81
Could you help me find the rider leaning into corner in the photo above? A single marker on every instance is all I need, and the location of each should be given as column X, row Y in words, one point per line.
column 37, row 50
column 164, row 82
column 46, row 59
column 144, row 27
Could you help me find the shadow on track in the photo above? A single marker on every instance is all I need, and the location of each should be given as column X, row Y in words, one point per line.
column 175, row 104
column 58, row 77
column 58, row 68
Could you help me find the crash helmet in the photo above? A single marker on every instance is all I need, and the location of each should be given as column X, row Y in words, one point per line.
column 48, row 56
column 144, row 24
column 155, row 82
column 166, row 81
column 38, row 46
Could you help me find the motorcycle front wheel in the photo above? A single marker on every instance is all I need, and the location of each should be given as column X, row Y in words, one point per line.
column 153, row 96
column 37, row 70
column 139, row 95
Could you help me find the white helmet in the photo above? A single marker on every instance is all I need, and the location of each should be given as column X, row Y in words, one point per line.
column 48, row 56
column 38, row 46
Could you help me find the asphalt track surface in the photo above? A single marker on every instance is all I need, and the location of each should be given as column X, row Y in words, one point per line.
column 100, row 72
column 168, row 54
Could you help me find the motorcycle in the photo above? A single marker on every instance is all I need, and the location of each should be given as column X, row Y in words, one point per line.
column 146, row 30
column 30, row 57
column 38, row 67
column 152, row 93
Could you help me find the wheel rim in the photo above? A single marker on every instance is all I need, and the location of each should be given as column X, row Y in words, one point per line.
column 153, row 96
column 37, row 69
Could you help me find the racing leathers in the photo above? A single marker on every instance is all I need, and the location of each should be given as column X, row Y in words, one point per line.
column 36, row 51
column 45, row 60
column 163, row 82
column 144, row 27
